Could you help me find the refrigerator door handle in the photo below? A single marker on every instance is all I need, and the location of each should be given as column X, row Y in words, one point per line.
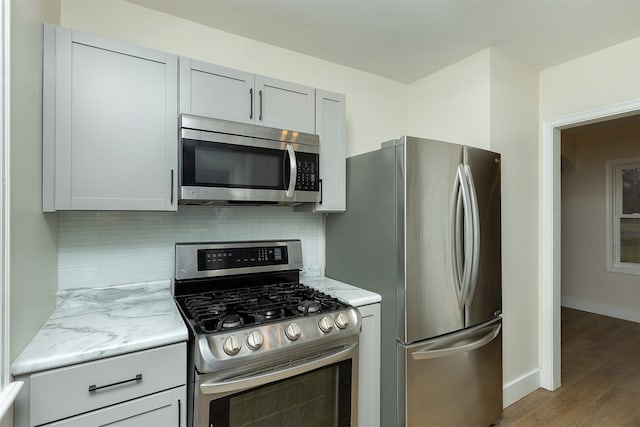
column 442, row 349
column 457, row 267
column 475, row 234
column 468, row 234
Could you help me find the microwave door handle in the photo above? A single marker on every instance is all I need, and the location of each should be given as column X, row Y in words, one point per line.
column 293, row 171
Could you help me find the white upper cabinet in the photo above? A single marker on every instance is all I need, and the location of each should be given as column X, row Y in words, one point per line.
column 214, row 91
column 110, row 124
column 331, row 127
column 285, row 105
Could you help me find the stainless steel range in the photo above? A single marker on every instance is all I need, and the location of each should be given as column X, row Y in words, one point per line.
column 264, row 349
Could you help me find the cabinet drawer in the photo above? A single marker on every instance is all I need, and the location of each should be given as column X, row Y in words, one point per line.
column 76, row 389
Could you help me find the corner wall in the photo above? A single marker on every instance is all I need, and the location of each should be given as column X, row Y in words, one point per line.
column 452, row 104
column 34, row 235
column 514, row 134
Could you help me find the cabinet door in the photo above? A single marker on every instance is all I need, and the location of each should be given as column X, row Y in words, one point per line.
column 214, row 91
column 115, row 124
column 330, row 126
column 165, row 409
column 369, row 367
column 284, row 105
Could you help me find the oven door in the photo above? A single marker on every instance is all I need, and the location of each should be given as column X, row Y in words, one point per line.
column 315, row 391
column 235, row 168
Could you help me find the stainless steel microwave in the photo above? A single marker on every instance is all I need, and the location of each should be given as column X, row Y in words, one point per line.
column 231, row 163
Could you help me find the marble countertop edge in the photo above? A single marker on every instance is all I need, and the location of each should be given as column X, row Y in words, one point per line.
column 39, row 364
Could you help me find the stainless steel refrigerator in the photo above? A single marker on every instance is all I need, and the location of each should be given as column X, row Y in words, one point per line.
column 422, row 228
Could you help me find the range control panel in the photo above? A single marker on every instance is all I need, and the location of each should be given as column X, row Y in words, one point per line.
column 222, row 259
column 225, row 258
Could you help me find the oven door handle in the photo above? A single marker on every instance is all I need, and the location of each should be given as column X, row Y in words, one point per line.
column 236, row 385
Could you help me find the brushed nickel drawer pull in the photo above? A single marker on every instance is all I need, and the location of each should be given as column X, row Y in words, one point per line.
column 93, row 387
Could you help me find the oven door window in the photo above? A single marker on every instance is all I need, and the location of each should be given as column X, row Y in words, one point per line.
column 320, row 398
column 209, row 164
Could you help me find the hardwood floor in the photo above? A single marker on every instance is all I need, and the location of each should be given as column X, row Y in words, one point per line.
column 600, row 377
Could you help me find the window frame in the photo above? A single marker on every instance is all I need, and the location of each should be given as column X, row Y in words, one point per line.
column 614, row 170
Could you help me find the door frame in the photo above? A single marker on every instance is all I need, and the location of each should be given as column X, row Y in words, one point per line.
column 550, row 262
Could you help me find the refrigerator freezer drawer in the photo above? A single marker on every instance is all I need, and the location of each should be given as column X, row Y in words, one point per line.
column 455, row 380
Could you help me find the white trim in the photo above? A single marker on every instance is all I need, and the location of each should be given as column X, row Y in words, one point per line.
column 600, row 308
column 550, row 231
column 8, row 396
column 613, row 202
column 5, row 146
column 520, row 387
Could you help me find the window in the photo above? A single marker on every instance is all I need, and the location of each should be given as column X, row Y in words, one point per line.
column 623, row 228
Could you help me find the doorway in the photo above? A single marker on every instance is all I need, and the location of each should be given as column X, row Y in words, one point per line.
column 550, row 220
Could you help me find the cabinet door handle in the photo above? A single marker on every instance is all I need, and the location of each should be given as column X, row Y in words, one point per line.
column 171, row 202
column 179, row 413
column 251, row 104
column 94, row 387
column 320, row 182
column 260, row 96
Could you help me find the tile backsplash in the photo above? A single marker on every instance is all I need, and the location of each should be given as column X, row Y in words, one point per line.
column 99, row 249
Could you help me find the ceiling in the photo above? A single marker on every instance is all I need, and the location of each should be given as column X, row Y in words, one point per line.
column 406, row 40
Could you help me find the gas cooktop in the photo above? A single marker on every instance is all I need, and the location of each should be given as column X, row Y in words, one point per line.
column 223, row 310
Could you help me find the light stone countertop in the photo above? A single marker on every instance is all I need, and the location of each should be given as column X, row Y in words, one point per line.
column 90, row 324
column 343, row 291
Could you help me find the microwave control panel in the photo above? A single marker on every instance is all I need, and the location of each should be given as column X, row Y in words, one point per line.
column 307, row 178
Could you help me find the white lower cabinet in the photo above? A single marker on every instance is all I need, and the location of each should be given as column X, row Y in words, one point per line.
column 144, row 388
column 369, row 367
column 165, row 409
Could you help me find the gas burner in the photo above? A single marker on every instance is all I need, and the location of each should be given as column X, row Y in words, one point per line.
column 216, row 309
column 271, row 313
column 230, row 321
column 309, row 307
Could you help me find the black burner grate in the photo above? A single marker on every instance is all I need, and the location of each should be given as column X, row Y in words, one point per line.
column 220, row 310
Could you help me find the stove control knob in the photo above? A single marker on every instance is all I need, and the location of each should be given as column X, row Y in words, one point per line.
column 326, row 324
column 293, row 331
column 255, row 340
column 342, row 320
column 232, row 345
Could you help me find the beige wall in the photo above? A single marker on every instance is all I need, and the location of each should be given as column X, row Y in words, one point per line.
column 603, row 78
column 376, row 106
column 34, row 236
column 586, row 284
column 452, row 104
column 514, row 134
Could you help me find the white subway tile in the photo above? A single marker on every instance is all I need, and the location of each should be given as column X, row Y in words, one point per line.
column 97, row 249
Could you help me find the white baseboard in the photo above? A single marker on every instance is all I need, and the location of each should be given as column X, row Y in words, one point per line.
column 520, row 387
column 600, row 308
